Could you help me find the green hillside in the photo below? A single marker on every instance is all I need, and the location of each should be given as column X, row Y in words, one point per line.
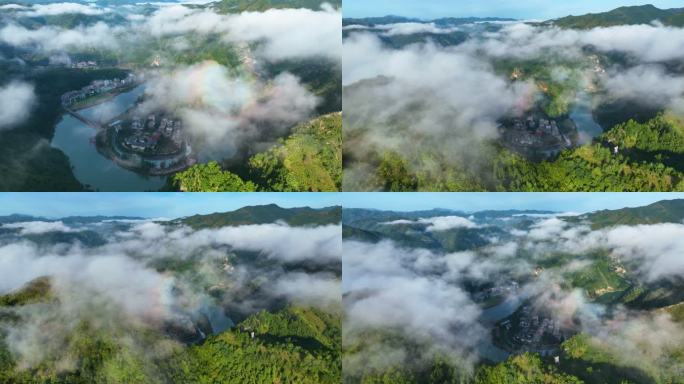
column 265, row 214
column 310, row 159
column 667, row 211
column 236, row 6
column 644, row 14
column 294, row 345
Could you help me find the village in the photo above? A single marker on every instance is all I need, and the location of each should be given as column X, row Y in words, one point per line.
column 530, row 330
column 79, row 98
column 156, row 143
column 534, row 137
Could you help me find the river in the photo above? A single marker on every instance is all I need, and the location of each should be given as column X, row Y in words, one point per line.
column 583, row 117
column 489, row 317
column 91, row 168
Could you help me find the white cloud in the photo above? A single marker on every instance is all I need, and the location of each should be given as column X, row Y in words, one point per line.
column 49, row 38
column 224, row 120
column 17, row 99
column 53, row 9
column 283, row 33
column 38, row 227
column 445, row 223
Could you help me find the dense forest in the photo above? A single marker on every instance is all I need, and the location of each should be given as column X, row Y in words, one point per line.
column 649, row 159
column 295, row 344
column 308, row 160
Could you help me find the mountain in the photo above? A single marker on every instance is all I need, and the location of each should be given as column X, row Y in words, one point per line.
column 644, row 14
column 265, row 214
column 442, row 22
column 237, row 6
column 18, row 218
column 297, row 345
column 666, row 211
column 442, row 39
column 382, row 20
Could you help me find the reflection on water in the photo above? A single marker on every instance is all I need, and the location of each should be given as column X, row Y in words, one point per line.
column 218, row 319
column 583, row 117
column 489, row 317
column 91, row 168
column 501, row 311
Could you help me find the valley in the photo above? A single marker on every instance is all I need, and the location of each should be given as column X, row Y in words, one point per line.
column 478, row 297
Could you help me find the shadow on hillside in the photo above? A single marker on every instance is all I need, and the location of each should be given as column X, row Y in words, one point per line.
column 605, row 373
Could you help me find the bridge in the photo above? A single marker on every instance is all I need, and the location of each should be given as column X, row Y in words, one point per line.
column 84, row 119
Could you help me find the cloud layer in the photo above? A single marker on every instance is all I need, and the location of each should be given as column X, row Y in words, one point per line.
column 17, row 100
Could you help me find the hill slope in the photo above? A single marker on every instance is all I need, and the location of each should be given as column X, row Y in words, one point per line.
column 644, row 14
column 666, row 211
column 264, row 214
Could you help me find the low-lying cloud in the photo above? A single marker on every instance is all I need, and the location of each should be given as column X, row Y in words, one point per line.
column 17, row 100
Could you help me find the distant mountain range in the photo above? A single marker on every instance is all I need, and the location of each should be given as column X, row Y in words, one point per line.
column 666, row 211
column 235, row 6
column 18, row 218
column 445, row 21
column 264, row 214
column 644, row 14
column 260, row 214
column 632, row 15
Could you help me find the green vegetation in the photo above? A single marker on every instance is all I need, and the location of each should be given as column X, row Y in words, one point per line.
column 595, row 362
column 523, row 369
column 666, row 211
column 265, row 214
column 644, row 14
column 648, row 161
column 210, row 178
column 599, row 279
column 35, row 291
column 27, row 161
column 310, row 159
column 236, row 6
column 294, row 345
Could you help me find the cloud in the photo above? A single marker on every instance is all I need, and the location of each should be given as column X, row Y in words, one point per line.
column 647, row 84
column 437, row 224
column 455, row 100
column 50, row 39
column 54, row 9
column 133, row 282
column 282, row 33
column 38, row 227
column 412, row 28
column 17, row 100
column 389, row 288
column 290, row 33
column 321, row 290
column 445, row 223
column 225, row 121
column 650, row 43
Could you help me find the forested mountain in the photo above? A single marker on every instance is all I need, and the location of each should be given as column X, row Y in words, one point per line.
column 265, row 214
column 644, row 14
column 666, row 211
column 234, row 6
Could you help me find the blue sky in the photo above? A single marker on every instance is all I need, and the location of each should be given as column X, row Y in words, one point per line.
column 472, row 202
column 520, row 9
column 145, row 204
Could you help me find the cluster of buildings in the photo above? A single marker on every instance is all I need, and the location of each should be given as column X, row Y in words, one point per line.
column 97, row 87
column 84, row 64
column 502, row 290
column 147, row 133
column 535, row 136
column 531, row 329
column 596, row 64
